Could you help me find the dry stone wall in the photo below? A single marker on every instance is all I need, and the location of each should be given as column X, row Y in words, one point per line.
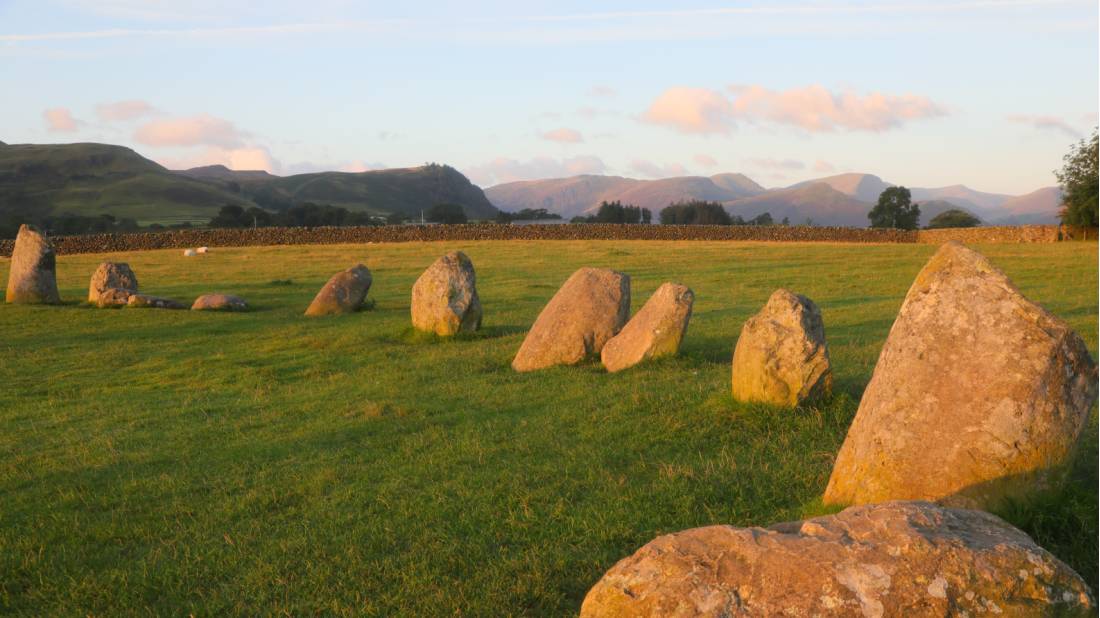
column 180, row 239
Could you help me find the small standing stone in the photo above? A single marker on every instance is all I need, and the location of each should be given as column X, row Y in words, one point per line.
column 656, row 330
column 219, row 302
column 111, row 285
column 32, row 278
column 344, row 292
column 781, row 357
column 145, row 301
column 444, row 298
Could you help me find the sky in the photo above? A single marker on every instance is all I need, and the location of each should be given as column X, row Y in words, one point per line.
column 987, row 93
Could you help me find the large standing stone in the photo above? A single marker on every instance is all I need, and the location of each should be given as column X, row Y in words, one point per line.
column 978, row 394
column 655, row 331
column 588, row 309
column 111, row 285
column 781, row 356
column 344, row 292
column 444, row 298
column 893, row 559
column 219, row 302
column 32, row 278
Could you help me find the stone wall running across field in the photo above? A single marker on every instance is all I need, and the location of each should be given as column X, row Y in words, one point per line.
column 180, row 239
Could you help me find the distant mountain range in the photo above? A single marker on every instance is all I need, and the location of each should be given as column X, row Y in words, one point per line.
column 39, row 180
column 843, row 199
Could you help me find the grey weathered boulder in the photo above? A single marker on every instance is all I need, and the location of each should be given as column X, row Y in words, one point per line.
column 892, row 559
column 32, row 278
column 978, row 394
column 117, row 277
column 444, row 298
column 145, row 301
column 589, row 309
column 219, row 302
column 781, row 356
column 344, row 292
column 655, row 331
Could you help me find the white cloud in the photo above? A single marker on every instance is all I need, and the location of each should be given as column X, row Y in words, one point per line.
column 198, row 130
column 812, row 108
column 123, row 110
column 60, row 120
column 503, row 169
column 1046, row 123
column 244, row 158
column 564, row 136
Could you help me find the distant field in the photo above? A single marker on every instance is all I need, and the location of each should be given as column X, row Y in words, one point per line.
column 265, row 463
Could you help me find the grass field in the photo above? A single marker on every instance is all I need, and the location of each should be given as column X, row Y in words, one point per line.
column 265, row 463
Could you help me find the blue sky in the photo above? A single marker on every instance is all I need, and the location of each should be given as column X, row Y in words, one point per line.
column 923, row 93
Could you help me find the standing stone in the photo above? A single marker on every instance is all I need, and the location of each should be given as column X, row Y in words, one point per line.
column 219, row 302
column 32, row 278
column 589, row 309
column 781, row 357
column 444, row 298
column 978, row 394
column 893, row 559
column 344, row 292
column 117, row 277
column 655, row 331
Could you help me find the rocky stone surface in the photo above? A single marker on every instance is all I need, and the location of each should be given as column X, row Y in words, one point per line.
column 115, row 276
column 589, row 309
column 892, row 559
column 978, row 394
column 114, row 297
column 344, row 292
column 655, row 331
column 781, row 357
column 219, row 302
column 444, row 298
column 145, row 301
column 32, row 277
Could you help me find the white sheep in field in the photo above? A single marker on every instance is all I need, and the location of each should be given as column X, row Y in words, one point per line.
column 189, row 253
column 202, row 250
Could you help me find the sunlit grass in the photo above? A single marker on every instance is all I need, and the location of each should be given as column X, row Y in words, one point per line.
column 261, row 463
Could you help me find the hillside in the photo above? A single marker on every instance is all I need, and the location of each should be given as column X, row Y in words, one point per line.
column 576, row 195
column 863, row 187
column 818, row 201
column 88, row 179
column 94, row 179
column 1037, row 207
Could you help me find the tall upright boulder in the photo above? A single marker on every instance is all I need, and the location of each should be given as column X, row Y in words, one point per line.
column 343, row 293
column 978, row 394
column 32, row 278
column 893, row 559
column 444, row 298
column 111, row 284
column 656, row 330
column 781, row 357
column 589, row 309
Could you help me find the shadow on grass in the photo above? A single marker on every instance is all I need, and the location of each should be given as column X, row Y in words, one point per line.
column 412, row 336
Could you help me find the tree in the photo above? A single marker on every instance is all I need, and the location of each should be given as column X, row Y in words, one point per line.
column 895, row 209
column 762, row 219
column 954, row 217
column 647, row 216
column 230, row 215
column 396, row 218
column 1078, row 178
column 446, row 213
column 696, row 212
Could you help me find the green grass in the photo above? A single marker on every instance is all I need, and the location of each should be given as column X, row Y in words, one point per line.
column 265, row 463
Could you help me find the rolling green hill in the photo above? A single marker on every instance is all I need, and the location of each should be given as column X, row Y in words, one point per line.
column 42, row 180
column 37, row 181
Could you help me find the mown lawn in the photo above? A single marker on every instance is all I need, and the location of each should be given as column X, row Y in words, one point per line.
column 159, row 462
